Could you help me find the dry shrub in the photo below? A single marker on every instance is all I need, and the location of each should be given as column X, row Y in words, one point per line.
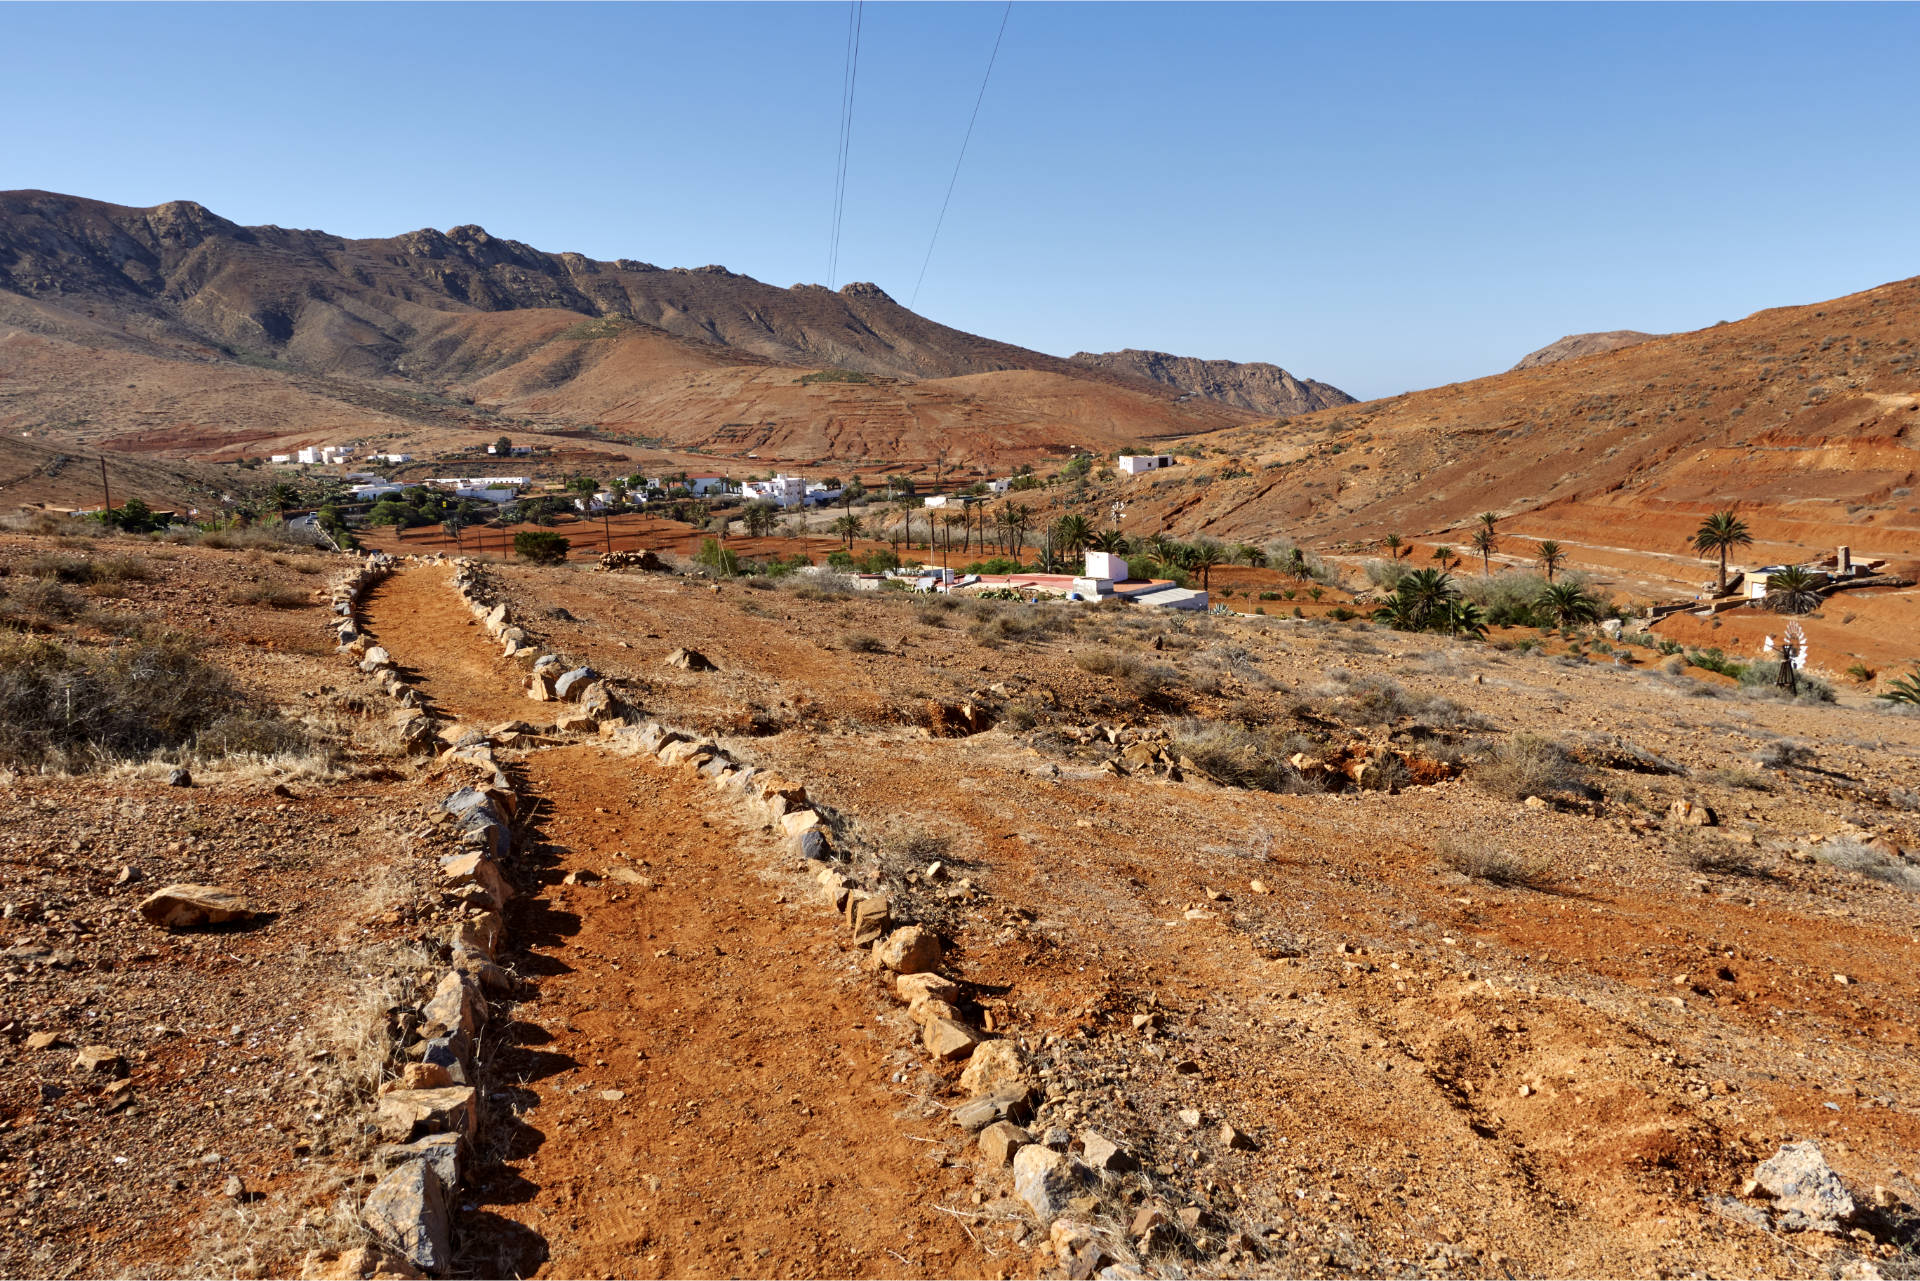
column 1853, row 855
column 270, row 596
column 1107, row 662
column 37, row 604
column 62, row 704
column 861, row 643
column 1242, row 757
column 1496, row 866
column 1528, row 765
column 1378, row 700
column 1712, row 856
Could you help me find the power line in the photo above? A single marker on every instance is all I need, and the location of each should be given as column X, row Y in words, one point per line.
column 935, row 238
column 849, row 79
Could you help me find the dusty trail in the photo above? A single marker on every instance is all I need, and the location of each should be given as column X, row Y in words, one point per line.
column 455, row 667
column 703, row 1096
column 700, row 1091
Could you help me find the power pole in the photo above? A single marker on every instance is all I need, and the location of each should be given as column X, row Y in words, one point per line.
column 106, row 493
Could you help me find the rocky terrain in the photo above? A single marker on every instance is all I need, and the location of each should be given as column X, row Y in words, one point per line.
column 1263, row 388
column 854, row 933
column 1576, row 346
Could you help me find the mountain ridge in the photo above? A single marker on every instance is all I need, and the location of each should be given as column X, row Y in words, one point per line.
column 1255, row 385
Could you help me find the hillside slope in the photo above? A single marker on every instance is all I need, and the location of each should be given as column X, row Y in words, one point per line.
column 1263, row 388
column 1574, row 346
column 173, row 329
column 1807, row 418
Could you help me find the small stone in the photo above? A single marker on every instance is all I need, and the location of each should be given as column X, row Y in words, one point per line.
column 1000, row 1141
column 1190, row 1117
column 1007, row 1105
column 911, row 987
column 45, row 1040
column 405, row 1115
column 233, row 1189
column 689, row 660
column 912, row 949
column 1102, row 1153
column 1146, row 1219
column 1232, row 1138
column 949, row 1041
column 441, row 1151
column 1692, row 813
column 1258, row 887
column 1535, row 803
column 103, row 1060
column 179, row 778
column 928, row 1008
column 613, row 1096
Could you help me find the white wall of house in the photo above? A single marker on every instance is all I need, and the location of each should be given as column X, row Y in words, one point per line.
column 1106, row 565
column 1135, row 464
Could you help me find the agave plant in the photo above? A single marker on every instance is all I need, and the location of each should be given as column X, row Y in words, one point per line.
column 1463, row 618
column 1793, row 590
column 1905, row 689
column 1397, row 612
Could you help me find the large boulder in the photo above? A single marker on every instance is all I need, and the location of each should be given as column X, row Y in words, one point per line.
column 994, row 1067
column 192, row 907
column 911, row 949
column 1045, row 1180
column 405, row 1115
column 407, row 1211
column 1799, row 1180
column 574, row 683
column 455, row 1008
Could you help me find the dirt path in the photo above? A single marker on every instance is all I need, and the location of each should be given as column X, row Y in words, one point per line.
column 456, row 668
column 702, row 1095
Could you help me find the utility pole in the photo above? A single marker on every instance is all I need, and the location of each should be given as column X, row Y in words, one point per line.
column 106, row 493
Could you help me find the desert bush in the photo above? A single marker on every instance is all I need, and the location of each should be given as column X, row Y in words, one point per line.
column 1760, row 680
column 1495, row 866
column 1528, row 765
column 861, row 643
column 1107, row 662
column 37, row 604
column 268, row 595
column 62, row 702
column 1737, row 778
column 1713, row 660
column 1712, row 856
column 1784, row 753
column 1380, row 700
column 1850, row 854
column 1241, row 756
column 931, row 617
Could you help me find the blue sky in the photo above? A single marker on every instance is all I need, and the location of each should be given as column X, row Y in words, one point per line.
column 1381, row 196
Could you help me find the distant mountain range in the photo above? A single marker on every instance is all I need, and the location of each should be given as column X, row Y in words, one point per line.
column 171, row 329
column 1263, row 388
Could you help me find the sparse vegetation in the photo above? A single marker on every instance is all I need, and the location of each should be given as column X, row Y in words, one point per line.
column 1495, row 866
column 1528, row 765
column 541, row 546
column 1240, row 756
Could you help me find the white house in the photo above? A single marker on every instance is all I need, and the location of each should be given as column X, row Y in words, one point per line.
column 1134, row 464
column 280, row 458
column 374, row 491
column 307, row 457
column 1000, row 486
column 819, row 495
column 781, row 491
column 702, row 486
column 515, row 450
column 480, row 482
column 391, row 458
column 486, row 494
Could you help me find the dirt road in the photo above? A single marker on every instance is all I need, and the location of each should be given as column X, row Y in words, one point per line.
column 697, row 1085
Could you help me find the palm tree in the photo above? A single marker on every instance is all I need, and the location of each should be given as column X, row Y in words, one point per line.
column 1393, row 545
column 1567, row 604
column 1488, row 520
column 951, row 519
column 1551, row 556
column 1793, row 590
column 848, row 527
column 1072, row 534
column 1206, row 554
column 1719, row 534
column 1397, row 612
column 1296, row 566
column 1446, row 556
column 1485, row 541
column 1427, row 591
column 1110, row 540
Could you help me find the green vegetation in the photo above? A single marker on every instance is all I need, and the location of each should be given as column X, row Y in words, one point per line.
column 1904, row 690
column 834, row 376
column 1719, row 534
column 541, row 546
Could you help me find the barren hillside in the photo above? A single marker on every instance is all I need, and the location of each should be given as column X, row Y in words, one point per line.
column 174, row 330
column 1263, row 388
column 1806, row 418
column 1574, row 346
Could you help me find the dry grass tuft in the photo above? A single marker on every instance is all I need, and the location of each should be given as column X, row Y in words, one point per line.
column 1496, row 866
column 1527, row 765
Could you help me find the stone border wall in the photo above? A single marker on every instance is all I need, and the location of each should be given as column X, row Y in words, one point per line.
column 429, row 1118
